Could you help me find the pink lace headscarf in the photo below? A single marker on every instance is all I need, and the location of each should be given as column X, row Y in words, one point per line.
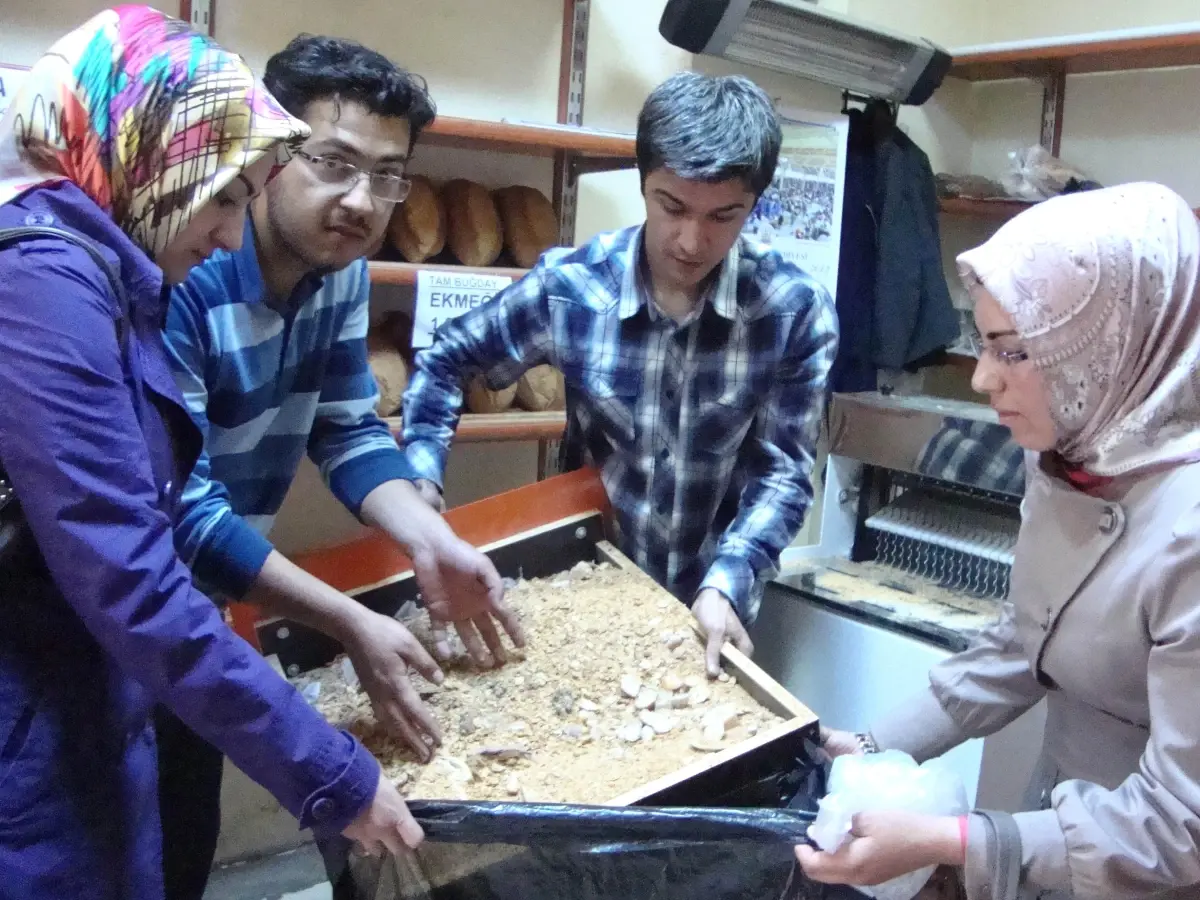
column 1102, row 289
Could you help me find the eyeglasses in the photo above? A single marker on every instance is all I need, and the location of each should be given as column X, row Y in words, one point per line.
column 1007, row 357
column 339, row 173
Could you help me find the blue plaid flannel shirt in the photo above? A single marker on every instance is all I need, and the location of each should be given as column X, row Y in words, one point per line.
column 704, row 431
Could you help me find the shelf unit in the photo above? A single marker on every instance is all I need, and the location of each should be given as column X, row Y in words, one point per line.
column 1051, row 61
column 589, row 147
column 580, row 150
column 1081, row 55
column 402, row 273
column 506, row 426
column 575, row 151
column 994, row 210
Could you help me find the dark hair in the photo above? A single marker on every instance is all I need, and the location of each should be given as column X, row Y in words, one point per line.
column 313, row 67
column 706, row 128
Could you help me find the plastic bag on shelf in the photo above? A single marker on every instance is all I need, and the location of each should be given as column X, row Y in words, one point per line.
column 1038, row 175
column 890, row 780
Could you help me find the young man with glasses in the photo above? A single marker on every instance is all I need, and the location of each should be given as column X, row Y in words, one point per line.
column 268, row 344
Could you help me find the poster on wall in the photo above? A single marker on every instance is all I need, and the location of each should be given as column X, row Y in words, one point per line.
column 10, row 79
column 800, row 214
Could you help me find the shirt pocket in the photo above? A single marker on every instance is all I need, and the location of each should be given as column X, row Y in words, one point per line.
column 724, row 422
column 610, row 403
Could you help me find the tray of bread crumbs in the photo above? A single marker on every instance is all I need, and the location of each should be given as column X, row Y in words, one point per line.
column 609, row 694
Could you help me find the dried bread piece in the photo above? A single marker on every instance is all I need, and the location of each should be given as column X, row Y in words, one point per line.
column 390, row 371
column 541, row 389
column 482, row 399
column 473, row 226
column 529, row 224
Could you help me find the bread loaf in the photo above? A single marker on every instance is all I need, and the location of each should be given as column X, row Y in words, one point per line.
column 541, row 389
column 529, row 224
column 390, row 371
column 482, row 399
column 473, row 227
column 418, row 226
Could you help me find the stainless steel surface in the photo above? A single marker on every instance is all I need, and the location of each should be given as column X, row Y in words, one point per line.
column 937, row 520
column 953, row 570
column 850, row 672
column 910, row 564
column 954, row 545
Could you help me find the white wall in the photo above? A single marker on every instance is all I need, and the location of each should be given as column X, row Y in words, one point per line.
column 27, row 29
column 1025, row 19
column 1118, row 127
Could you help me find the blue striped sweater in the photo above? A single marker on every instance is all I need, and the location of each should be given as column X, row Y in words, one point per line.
column 265, row 387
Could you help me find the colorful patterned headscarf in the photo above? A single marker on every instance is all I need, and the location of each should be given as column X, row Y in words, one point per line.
column 148, row 117
column 1103, row 289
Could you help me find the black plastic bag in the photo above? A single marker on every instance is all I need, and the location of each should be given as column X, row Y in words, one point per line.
column 739, row 848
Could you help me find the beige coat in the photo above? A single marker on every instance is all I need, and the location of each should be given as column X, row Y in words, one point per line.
column 1104, row 622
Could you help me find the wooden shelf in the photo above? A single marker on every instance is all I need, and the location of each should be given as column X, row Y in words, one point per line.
column 1081, row 54
column 993, row 210
column 406, row 273
column 506, row 426
column 535, row 140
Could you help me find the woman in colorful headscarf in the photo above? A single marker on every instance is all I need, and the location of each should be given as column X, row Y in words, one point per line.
column 1090, row 316
column 144, row 141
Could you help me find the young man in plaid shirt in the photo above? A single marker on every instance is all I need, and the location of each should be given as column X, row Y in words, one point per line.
column 695, row 361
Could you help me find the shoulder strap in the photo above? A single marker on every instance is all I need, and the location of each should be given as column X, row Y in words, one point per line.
column 10, row 236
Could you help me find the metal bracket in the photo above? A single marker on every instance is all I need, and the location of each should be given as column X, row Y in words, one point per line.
column 574, row 68
column 548, row 457
column 1054, row 92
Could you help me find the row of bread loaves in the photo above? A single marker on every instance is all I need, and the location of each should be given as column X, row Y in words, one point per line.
column 389, row 352
column 476, row 224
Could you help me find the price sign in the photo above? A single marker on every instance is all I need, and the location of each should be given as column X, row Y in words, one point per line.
column 445, row 295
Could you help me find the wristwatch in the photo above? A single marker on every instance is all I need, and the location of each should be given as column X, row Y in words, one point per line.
column 866, row 743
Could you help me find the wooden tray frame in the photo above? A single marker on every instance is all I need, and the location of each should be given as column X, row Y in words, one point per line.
column 541, row 529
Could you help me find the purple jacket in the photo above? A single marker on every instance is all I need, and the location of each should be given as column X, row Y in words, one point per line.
column 98, row 446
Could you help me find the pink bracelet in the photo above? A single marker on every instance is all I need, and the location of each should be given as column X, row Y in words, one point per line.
column 962, row 834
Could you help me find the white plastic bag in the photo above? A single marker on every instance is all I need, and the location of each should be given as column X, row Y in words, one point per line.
column 890, row 780
column 1037, row 174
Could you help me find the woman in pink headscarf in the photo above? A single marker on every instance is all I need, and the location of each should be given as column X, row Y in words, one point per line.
column 1090, row 320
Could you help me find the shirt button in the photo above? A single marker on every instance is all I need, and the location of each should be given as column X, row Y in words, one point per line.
column 1108, row 523
column 323, row 809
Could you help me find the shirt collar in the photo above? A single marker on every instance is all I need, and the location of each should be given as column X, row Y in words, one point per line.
column 249, row 270
column 635, row 292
